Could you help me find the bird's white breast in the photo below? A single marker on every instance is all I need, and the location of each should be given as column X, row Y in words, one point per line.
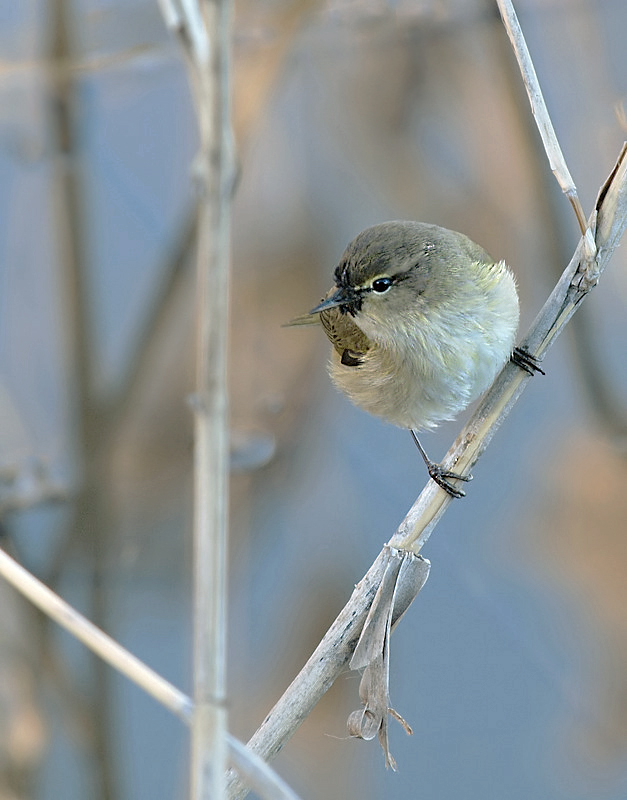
column 425, row 368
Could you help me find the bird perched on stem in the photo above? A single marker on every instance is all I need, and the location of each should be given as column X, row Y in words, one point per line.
column 421, row 320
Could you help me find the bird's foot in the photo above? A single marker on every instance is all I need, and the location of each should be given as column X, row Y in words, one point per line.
column 439, row 474
column 526, row 361
column 441, row 477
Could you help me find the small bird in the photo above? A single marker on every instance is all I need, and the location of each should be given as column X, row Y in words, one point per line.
column 421, row 320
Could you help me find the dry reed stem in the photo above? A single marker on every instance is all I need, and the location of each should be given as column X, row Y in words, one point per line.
column 258, row 775
column 204, row 31
column 96, row 640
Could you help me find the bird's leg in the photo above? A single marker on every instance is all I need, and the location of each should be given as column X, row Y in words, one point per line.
column 439, row 474
column 526, row 361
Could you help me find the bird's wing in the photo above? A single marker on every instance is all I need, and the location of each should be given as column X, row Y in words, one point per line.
column 344, row 333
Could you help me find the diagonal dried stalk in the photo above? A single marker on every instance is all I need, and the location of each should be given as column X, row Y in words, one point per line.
column 258, row 775
column 95, row 639
column 608, row 223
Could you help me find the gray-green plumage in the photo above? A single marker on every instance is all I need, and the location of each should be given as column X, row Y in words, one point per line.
column 421, row 320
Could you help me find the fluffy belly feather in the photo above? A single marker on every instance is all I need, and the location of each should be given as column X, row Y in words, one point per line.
column 418, row 386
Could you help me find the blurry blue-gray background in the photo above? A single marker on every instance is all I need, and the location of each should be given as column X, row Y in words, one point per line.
column 512, row 665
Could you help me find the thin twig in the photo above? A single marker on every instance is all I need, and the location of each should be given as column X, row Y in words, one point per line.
column 540, row 111
column 93, row 637
column 258, row 775
column 545, row 126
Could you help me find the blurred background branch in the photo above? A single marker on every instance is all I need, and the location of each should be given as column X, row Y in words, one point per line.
column 90, row 522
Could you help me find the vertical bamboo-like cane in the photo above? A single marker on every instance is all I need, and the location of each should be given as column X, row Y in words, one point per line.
column 204, row 28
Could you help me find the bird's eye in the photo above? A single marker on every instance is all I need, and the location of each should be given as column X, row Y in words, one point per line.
column 381, row 285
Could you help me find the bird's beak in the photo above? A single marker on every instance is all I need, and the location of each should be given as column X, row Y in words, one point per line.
column 338, row 298
column 334, row 298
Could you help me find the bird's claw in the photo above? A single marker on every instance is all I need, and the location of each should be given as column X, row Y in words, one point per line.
column 441, row 475
column 526, row 361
